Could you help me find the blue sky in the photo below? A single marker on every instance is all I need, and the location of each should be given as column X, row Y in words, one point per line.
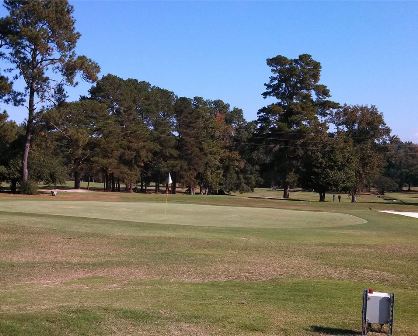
column 368, row 50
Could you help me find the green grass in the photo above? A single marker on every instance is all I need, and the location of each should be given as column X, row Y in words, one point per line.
column 72, row 265
column 185, row 214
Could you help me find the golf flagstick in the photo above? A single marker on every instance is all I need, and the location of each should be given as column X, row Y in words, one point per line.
column 165, row 208
column 169, row 181
column 166, row 199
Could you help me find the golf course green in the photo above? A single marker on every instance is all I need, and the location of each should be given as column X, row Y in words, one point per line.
column 186, row 214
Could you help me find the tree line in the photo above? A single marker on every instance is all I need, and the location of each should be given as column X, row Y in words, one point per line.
column 128, row 133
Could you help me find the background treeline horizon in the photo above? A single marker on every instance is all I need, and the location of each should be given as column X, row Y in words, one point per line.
column 128, row 133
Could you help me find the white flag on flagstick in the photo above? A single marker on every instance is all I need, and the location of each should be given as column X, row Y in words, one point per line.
column 169, row 179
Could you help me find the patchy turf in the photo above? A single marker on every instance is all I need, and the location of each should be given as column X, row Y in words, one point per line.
column 63, row 272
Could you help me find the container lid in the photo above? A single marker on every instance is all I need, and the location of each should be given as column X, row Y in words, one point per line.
column 379, row 294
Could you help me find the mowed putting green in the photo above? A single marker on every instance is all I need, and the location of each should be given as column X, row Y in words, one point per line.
column 186, row 214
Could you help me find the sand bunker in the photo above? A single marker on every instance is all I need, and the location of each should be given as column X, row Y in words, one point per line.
column 402, row 213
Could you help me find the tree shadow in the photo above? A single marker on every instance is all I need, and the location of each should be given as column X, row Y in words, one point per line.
column 333, row 331
column 275, row 198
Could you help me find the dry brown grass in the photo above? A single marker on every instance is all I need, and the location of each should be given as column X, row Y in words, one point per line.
column 50, row 258
column 122, row 328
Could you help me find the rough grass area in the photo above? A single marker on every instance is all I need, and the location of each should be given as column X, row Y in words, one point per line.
column 87, row 267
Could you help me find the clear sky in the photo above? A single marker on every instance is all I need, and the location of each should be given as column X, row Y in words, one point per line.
column 368, row 50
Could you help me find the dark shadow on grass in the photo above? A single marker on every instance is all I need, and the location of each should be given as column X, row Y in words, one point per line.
column 401, row 202
column 275, row 198
column 332, row 331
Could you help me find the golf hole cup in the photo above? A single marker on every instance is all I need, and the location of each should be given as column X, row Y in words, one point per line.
column 377, row 309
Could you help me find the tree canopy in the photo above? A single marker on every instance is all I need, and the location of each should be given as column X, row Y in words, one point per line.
column 38, row 40
column 129, row 132
column 285, row 126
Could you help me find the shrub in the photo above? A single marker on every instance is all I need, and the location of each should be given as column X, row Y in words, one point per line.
column 29, row 188
column 383, row 183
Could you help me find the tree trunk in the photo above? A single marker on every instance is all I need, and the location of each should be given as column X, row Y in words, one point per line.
column 118, row 185
column 104, row 181
column 109, row 182
column 76, row 179
column 353, row 197
column 25, row 171
column 13, row 186
column 286, row 193
column 322, row 197
column 28, row 134
column 142, row 183
column 409, row 186
column 157, row 184
column 113, row 183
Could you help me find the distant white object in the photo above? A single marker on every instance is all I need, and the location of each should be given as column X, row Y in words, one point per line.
column 377, row 309
column 170, row 181
column 54, row 192
column 402, row 213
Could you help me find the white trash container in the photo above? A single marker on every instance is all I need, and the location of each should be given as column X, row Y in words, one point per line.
column 377, row 309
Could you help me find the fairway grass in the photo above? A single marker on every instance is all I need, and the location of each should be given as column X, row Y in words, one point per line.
column 230, row 267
